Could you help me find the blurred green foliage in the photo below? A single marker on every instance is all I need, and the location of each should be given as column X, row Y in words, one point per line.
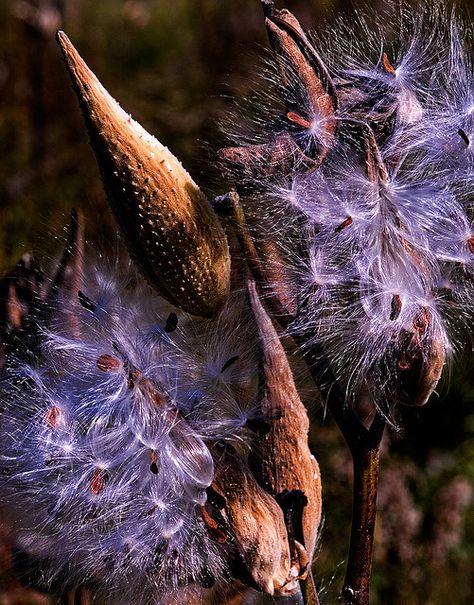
column 174, row 65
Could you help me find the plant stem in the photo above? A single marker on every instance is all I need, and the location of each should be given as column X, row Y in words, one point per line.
column 359, row 564
column 308, row 590
column 364, row 445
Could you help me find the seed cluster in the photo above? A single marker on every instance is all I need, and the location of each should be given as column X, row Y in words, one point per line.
column 372, row 207
column 105, row 457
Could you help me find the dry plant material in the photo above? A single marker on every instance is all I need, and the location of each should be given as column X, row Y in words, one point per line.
column 312, row 99
column 257, row 525
column 245, row 165
column 283, row 463
column 67, row 282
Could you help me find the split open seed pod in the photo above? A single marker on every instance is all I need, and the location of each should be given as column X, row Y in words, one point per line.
column 283, row 463
column 419, row 357
column 257, row 526
column 311, row 102
column 168, row 225
column 311, row 97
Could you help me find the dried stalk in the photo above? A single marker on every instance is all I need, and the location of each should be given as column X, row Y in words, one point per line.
column 283, row 463
column 359, row 565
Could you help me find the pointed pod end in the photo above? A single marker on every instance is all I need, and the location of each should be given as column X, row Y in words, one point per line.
column 86, row 85
column 60, row 36
column 68, row 50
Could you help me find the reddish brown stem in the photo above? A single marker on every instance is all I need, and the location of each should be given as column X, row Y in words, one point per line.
column 364, row 445
column 359, row 564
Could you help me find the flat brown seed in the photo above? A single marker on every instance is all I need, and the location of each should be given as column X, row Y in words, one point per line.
column 464, row 137
column 387, row 65
column 97, row 482
column 154, row 464
column 108, row 363
column 395, row 307
column 53, row 417
column 296, row 119
column 345, row 223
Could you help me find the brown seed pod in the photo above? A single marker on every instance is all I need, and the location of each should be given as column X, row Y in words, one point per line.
column 168, row 225
column 253, row 165
column 284, row 465
column 257, row 525
column 419, row 356
column 305, row 77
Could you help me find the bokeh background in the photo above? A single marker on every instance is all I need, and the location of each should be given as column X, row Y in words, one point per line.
column 176, row 64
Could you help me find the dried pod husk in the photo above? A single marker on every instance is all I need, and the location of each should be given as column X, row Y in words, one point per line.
column 310, row 93
column 256, row 523
column 418, row 357
column 169, row 227
column 283, row 463
column 311, row 103
column 20, row 292
column 68, row 279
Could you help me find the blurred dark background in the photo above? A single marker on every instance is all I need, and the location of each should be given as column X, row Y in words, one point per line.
column 174, row 65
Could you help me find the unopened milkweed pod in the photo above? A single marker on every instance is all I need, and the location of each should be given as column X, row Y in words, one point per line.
column 169, row 226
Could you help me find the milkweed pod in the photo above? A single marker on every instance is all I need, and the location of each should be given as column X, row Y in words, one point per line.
column 168, row 225
column 257, row 525
column 419, row 360
column 311, row 94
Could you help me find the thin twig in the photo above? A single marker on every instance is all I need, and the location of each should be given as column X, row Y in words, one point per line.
column 308, row 590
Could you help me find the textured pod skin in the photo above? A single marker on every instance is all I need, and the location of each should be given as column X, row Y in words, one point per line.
column 284, row 462
column 257, row 524
column 169, row 227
